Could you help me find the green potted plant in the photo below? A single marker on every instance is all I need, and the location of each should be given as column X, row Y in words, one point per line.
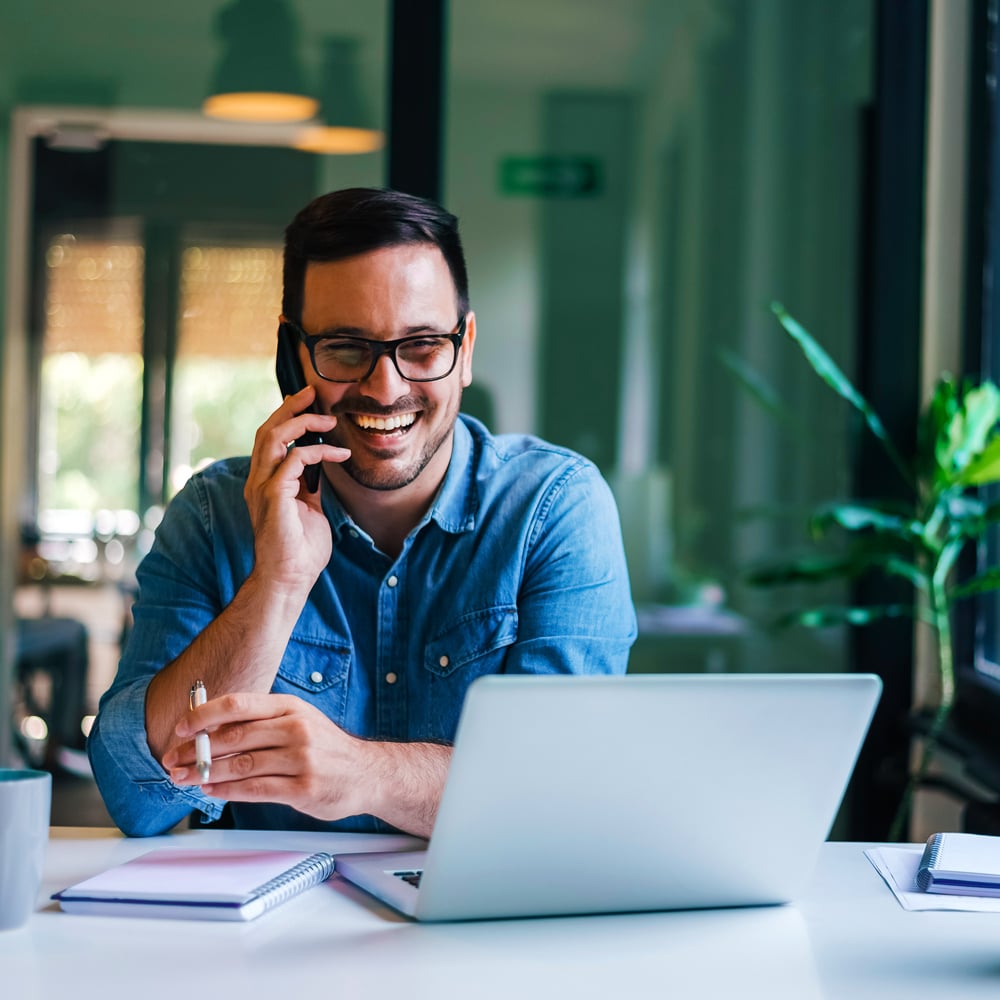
column 920, row 539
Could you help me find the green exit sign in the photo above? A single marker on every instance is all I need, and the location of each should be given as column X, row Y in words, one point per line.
column 551, row 176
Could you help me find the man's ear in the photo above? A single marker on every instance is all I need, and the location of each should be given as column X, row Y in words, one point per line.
column 468, row 346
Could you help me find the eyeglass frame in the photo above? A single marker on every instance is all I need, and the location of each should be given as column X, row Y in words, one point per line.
column 378, row 349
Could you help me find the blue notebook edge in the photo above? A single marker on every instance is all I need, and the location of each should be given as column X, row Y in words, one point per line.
column 310, row 871
column 958, row 883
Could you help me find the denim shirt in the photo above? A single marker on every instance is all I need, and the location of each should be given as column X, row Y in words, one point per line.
column 518, row 567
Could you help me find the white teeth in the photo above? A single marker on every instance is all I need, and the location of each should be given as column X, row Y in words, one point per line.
column 367, row 422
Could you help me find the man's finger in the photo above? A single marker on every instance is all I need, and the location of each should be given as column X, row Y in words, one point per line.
column 227, row 709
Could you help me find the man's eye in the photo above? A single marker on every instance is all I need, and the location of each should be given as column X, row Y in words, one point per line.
column 423, row 346
column 343, row 352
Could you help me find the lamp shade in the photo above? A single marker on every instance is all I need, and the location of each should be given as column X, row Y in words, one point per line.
column 347, row 124
column 259, row 77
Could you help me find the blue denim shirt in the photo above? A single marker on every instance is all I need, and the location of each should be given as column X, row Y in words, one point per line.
column 518, row 567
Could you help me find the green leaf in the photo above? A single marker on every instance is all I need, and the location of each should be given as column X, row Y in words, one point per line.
column 967, row 516
column 981, row 584
column 821, row 568
column 759, row 388
column 829, row 616
column 826, row 368
column 901, row 567
column 955, row 429
column 861, row 517
column 963, row 507
column 981, row 411
column 984, row 468
column 934, row 445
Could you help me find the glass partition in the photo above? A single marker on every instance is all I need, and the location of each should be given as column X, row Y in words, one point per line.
column 142, row 290
column 636, row 186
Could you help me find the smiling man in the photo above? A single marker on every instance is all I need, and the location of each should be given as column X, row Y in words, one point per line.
column 337, row 630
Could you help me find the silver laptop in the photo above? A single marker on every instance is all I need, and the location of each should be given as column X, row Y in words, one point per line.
column 572, row 795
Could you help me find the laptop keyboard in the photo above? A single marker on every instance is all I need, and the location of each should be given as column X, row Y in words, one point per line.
column 411, row 877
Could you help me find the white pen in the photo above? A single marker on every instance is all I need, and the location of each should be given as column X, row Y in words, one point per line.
column 202, row 746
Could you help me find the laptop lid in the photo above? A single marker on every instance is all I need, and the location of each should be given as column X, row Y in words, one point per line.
column 573, row 794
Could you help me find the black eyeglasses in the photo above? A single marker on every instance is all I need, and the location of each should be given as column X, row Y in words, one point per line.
column 425, row 357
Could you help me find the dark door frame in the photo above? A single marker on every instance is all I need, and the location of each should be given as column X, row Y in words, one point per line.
column 417, row 54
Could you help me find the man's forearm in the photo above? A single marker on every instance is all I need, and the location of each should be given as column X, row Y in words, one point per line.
column 407, row 780
column 239, row 651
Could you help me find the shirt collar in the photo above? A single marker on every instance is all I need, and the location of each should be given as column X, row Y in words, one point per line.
column 340, row 520
column 454, row 508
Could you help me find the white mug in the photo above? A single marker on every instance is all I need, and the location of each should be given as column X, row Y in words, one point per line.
column 25, row 804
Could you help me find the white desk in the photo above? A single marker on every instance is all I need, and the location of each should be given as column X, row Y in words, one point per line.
column 847, row 939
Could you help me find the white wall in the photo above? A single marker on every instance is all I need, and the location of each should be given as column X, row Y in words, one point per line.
column 500, row 234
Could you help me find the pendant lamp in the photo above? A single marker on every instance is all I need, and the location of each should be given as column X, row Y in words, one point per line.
column 259, row 78
column 346, row 123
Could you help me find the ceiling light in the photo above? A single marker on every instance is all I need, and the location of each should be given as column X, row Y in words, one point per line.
column 334, row 139
column 348, row 125
column 259, row 77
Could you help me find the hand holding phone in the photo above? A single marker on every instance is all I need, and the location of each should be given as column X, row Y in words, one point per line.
column 291, row 379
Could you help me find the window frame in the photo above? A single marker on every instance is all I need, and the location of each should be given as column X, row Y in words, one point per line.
column 977, row 711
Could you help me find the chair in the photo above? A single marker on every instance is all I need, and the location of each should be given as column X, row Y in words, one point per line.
column 51, row 678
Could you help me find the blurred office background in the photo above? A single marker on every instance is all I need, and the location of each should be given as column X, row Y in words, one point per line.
column 636, row 181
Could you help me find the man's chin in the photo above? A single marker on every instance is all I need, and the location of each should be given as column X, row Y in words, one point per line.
column 394, row 468
column 383, row 476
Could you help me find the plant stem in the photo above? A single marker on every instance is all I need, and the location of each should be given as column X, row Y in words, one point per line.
column 946, row 672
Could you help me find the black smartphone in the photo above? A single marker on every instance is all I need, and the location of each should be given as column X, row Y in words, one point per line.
column 291, row 380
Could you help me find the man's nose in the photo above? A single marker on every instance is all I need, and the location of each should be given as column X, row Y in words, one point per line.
column 385, row 383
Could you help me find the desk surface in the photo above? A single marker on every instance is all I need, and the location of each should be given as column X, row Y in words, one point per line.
column 846, row 939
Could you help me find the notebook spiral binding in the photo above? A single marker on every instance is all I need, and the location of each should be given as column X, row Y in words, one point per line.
column 928, row 862
column 313, row 870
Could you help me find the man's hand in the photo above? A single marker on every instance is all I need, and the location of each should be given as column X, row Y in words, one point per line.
column 241, row 649
column 279, row 748
column 292, row 540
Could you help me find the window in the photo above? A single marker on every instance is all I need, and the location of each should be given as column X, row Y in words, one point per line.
column 90, row 397
column 978, row 623
column 154, row 330
column 223, row 382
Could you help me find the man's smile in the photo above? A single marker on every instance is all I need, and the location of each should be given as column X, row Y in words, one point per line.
column 396, row 424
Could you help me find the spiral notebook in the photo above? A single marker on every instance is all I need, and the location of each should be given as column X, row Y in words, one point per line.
column 960, row 864
column 201, row 885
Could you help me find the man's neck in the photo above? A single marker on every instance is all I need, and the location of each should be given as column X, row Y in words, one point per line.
column 388, row 516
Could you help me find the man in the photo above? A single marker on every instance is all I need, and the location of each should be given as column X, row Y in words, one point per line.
column 337, row 631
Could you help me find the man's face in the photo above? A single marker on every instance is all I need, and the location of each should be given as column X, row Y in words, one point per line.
column 384, row 295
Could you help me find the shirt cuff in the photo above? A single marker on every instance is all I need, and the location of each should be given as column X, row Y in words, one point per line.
column 122, row 733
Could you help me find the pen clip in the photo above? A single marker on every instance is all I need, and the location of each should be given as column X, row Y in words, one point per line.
column 198, row 688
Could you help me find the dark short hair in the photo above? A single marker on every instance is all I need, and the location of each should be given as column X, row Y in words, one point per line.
column 354, row 221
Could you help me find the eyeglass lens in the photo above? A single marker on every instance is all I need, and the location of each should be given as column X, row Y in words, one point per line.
column 416, row 358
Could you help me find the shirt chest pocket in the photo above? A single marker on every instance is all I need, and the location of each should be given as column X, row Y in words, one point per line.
column 473, row 644
column 317, row 672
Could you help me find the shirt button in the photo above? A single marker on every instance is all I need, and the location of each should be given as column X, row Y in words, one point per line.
column 444, row 661
column 391, row 678
column 353, row 533
column 392, row 581
column 316, row 677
